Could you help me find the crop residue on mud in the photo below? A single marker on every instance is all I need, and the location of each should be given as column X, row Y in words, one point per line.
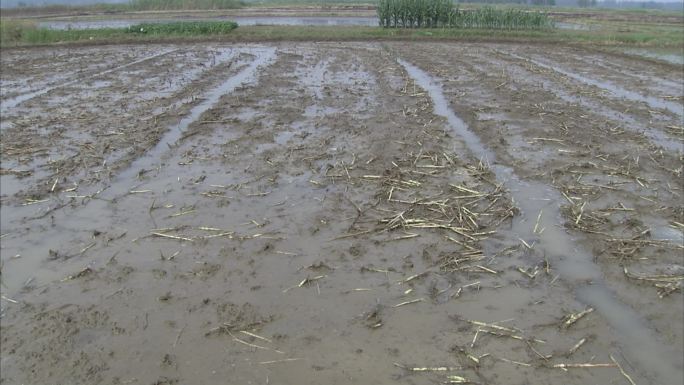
column 340, row 213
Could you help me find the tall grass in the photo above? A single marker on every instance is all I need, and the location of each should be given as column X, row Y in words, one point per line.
column 13, row 30
column 442, row 13
column 14, row 33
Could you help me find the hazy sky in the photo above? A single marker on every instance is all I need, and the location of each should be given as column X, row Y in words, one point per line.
column 13, row 3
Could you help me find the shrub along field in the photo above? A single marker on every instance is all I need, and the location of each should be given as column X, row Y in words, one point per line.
column 22, row 32
column 185, row 28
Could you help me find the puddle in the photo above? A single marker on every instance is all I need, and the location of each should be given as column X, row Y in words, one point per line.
column 536, row 200
column 263, row 57
column 661, row 230
column 241, row 20
column 310, row 20
column 13, row 102
column 283, row 137
column 10, row 185
column 620, row 92
column 574, row 26
column 315, row 110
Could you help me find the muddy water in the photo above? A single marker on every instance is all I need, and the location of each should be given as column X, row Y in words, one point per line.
column 143, row 95
column 574, row 26
column 539, row 227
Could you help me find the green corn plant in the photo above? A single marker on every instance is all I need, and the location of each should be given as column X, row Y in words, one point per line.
column 442, row 13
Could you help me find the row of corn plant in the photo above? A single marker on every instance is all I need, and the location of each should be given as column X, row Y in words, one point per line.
column 508, row 19
column 414, row 13
column 442, row 13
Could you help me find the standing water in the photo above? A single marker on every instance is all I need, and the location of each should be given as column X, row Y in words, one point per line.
column 574, row 264
column 364, row 21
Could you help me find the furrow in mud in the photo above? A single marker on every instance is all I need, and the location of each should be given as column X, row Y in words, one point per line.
column 659, row 80
column 609, row 198
column 655, row 129
column 613, row 89
column 102, row 192
column 16, row 100
column 262, row 58
column 105, row 121
column 652, row 129
column 575, row 264
column 28, row 70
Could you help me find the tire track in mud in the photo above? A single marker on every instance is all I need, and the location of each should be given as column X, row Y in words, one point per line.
column 543, row 202
column 521, row 75
column 500, row 102
column 15, row 101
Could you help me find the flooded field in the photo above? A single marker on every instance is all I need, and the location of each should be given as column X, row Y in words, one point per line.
column 381, row 213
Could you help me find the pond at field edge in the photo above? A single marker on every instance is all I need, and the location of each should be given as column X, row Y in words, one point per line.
column 241, row 20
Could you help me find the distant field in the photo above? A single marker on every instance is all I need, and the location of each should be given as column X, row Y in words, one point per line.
column 629, row 28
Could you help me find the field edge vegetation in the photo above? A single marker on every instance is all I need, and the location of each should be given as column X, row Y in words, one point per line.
column 19, row 33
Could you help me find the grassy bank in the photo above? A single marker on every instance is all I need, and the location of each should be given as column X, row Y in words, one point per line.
column 22, row 33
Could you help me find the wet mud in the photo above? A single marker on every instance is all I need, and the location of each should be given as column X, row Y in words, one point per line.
column 341, row 213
